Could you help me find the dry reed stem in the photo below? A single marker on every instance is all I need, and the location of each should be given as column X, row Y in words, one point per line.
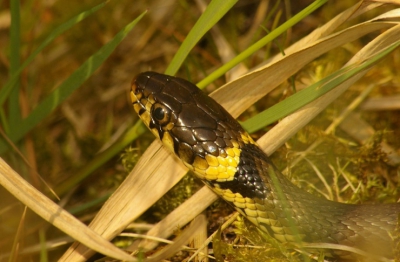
column 54, row 214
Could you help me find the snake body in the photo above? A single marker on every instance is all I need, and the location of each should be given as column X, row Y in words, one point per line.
column 214, row 145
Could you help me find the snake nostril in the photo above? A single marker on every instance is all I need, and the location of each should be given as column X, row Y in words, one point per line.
column 133, row 83
column 140, row 81
column 133, row 87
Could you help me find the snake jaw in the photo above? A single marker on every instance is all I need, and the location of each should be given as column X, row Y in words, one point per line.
column 134, row 98
column 141, row 109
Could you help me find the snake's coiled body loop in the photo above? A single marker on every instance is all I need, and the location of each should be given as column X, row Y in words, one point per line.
column 214, row 145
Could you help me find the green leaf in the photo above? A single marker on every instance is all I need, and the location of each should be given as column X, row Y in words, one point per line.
column 14, row 113
column 213, row 13
column 68, row 86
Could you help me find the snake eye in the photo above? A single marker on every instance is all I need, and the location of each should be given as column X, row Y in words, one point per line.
column 161, row 114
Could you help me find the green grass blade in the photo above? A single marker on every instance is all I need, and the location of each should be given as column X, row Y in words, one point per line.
column 5, row 91
column 213, row 13
column 68, row 86
column 44, row 257
column 305, row 96
column 14, row 113
column 259, row 44
column 85, row 206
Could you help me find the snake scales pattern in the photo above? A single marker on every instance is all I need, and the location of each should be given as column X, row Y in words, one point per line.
column 214, row 145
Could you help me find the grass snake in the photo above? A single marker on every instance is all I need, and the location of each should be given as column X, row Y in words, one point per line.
column 214, row 145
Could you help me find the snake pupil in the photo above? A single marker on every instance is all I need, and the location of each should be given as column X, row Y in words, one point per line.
column 159, row 113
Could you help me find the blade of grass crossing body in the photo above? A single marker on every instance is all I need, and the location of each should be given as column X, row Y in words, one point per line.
column 68, row 86
column 213, row 13
column 261, row 43
column 5, row 91
column 305, row 96
column 14, row 115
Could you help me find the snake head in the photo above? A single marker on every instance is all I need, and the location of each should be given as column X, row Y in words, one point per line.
column 190, row 123
column 201, row 133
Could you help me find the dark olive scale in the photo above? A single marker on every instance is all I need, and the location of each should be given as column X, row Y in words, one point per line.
column 205, row 134
column 170, row 102
column 186, row 152
column 210, row 147
column 200, row 126
column 147, row 87
column 222, row 153
column 220, row 133
column 220, row 142
column 198, row 150
column 185, row 135
column 216, row 111
column 201, row 119
column 181, row 93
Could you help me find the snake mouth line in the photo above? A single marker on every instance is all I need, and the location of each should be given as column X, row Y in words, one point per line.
column 214, row 145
